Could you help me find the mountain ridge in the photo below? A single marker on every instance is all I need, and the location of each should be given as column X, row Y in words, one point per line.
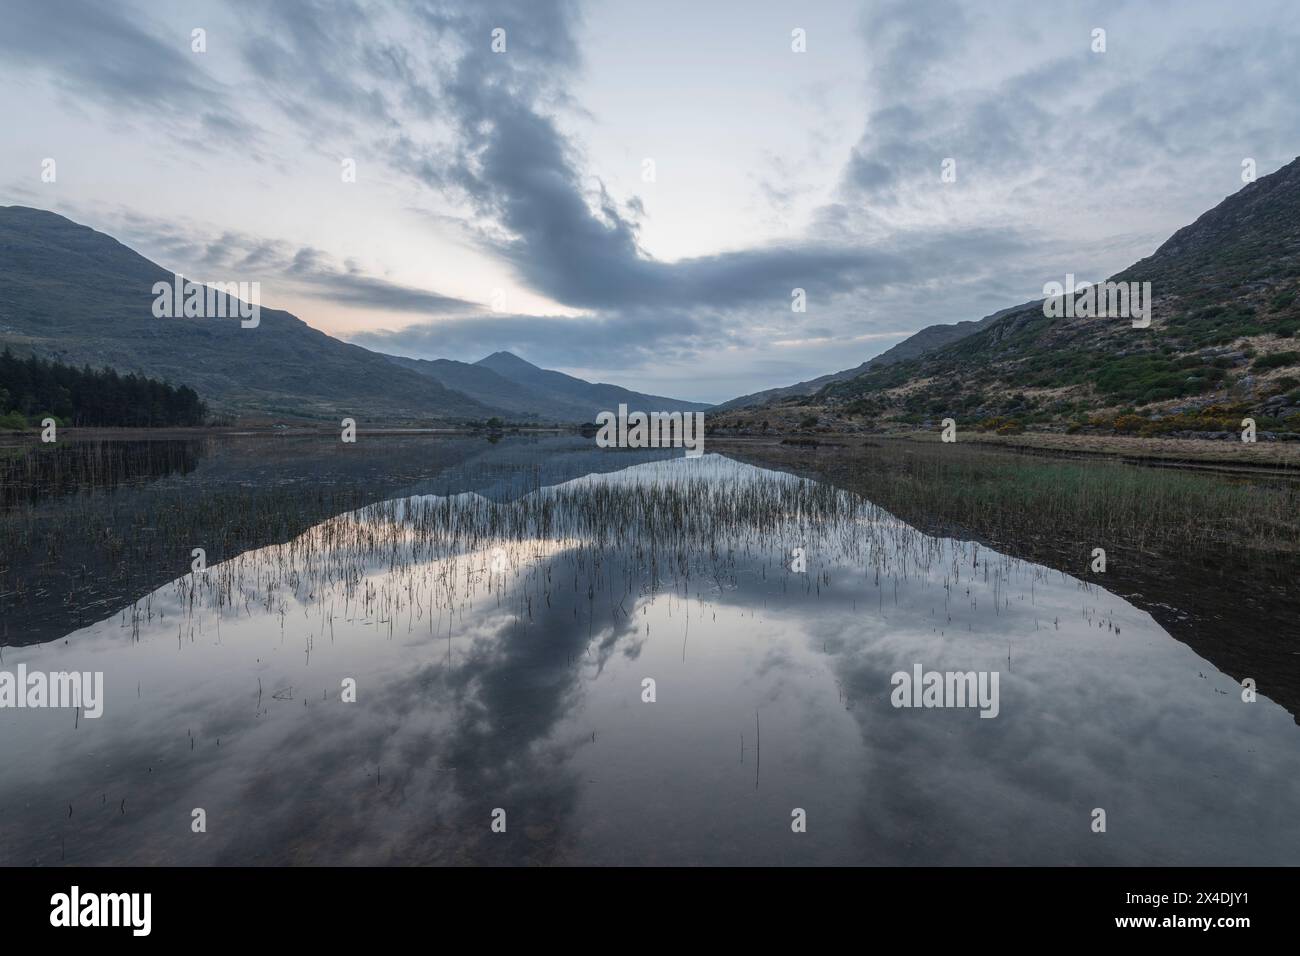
column 70, row 292
column 1222, row 345
column 599, row 396
column 75, row 294
column 518, row 387
column 927, row 339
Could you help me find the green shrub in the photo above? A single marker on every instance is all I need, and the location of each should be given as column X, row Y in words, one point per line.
column 1153, row 377
column 1276, row 360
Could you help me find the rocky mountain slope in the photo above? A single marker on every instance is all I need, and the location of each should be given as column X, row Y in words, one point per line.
column 1222, row 346
column 929, row 338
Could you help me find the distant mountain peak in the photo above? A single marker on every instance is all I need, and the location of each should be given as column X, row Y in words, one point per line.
column 504, row 380
column 500, row 360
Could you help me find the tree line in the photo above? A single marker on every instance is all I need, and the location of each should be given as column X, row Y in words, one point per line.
column 33, row 388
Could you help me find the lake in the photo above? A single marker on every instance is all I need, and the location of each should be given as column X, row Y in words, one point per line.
column 533, row 651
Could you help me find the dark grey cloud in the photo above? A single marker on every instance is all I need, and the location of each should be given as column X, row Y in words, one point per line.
column 327, row 68
column 564, row 236
column 950, row 264
column 522, row 174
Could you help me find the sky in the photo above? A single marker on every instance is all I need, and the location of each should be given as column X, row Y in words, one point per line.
column 631, row 192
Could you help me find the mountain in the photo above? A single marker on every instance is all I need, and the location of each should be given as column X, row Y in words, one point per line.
column 507, row 381
column 481, row 384
column 595, row 396
column 1222, row 344
column 71, row 293
column 929, row 338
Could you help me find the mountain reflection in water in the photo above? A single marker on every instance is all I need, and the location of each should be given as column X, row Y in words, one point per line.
column 499, row 649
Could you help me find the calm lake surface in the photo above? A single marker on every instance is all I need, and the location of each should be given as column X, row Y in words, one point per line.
column 500, row 608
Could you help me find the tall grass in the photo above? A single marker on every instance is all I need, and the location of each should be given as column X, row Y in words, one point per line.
column 1000, row 495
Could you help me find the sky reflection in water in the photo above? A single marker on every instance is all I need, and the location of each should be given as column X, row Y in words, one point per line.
column 773, row 693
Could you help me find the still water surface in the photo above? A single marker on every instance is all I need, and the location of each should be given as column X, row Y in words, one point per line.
column 500, row 639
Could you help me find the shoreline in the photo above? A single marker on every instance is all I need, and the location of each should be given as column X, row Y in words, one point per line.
column 1281, row 459
column 1193, row 454
column 251, row 431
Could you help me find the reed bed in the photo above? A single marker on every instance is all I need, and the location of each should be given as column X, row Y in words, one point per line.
column 1000, row 496
column 417, row 562
column 96, row 545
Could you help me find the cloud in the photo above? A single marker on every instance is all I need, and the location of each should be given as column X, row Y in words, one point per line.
column 565, row 236
column 314, row 272
column 351, row 288
column 655, row 339
column 1038, row 122
column 627, row 341
column 328, row 67
column 503, row 152
column 104, row 53
column 235, row 256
